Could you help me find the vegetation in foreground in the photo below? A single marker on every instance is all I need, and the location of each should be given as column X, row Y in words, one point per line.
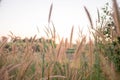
column 43, row 59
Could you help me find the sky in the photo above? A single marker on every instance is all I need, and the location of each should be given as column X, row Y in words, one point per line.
column 22, row 17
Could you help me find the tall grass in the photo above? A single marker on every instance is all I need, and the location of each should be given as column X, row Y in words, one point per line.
column 43, row 59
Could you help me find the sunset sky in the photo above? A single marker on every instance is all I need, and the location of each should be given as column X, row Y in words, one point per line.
column 23, row 16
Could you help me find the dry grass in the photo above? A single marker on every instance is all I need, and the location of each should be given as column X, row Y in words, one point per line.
column 50, row 12
column 71, row 36
column 23, row 62
column 89, row 17
column 116, row 17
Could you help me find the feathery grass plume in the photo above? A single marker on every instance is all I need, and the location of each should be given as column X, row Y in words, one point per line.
column 91, row 50
column 116, row 16
column 5, row 70
column 14, row 49
column 49, row 71
column 23, row 69
column 59, row 48
column 71, row 36
column 62, row 56
column 106, row 68
column 50, row 12
column 4, row 75
column 28, row 49
column 66, row 43
column 89, row 17
column 3, row 44
column 98, row 14
column 80, row 48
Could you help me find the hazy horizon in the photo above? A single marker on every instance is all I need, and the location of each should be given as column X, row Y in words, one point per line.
column 22, row 17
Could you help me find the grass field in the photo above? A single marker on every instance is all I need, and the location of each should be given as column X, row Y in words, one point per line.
column 44, row 59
